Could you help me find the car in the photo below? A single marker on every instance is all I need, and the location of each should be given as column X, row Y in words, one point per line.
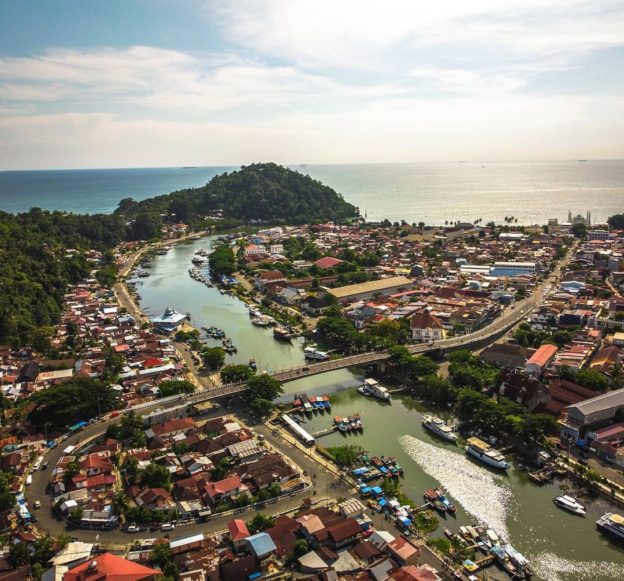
column 37, row 504
column 45, row 465
column 132, row 528
column 260, row 438
column 167, row 526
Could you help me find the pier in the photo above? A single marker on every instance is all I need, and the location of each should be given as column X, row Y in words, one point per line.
column 325, row 432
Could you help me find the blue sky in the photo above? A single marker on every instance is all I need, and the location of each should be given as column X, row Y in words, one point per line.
column 201, row 82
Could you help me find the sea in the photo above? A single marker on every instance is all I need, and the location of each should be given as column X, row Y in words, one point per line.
column 433, row 193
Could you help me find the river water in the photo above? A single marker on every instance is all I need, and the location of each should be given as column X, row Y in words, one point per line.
column 562, row 547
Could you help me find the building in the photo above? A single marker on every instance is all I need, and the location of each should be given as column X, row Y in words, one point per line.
column 238, row 533
column 426, row 327
column 514, row 269
column 505, row 355
column 109, row 567
column 540, row 360
column 523, row 388
column 262, row 546
column 369, row 290
column 169, row 321
column 594, row 411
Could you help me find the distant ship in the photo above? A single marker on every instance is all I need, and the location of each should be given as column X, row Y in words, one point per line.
column 189, row 167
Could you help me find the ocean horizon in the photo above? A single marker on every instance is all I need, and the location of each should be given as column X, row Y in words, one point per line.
column 433, row 193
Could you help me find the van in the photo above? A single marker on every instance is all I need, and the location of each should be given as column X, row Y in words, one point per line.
column 167, row 526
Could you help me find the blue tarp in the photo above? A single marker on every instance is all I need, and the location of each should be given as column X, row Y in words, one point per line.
column 359, row 471
column 77, row 426
column 383, row 502
column 365, row 490
column 377, row 490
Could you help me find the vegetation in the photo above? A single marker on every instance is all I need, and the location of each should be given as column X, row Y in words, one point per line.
column 346, row 455
column 79, row 399
column 222, row 260
column 468, row 370
column 129, row 430
column 260, row 392
column 588, row 378
column 616, row 222
column 264, row 191
column 175, row 387
column 236, row 373
column 156, row 476
column 260, row 522
column 213, row 357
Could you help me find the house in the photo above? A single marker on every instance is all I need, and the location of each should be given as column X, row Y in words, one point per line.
column 155, row 499
column 246, row 567
column 314, row 306
column 403, row 551
column 564, row 393
column 541, row 359
column 522, row 388
column 592, row 412
column 269, row 277
column 343, row 533
column 505, row 355
column 262, row 546
column 369, row 290
column 224, row 489
column 606, row 359
column 426, row 327
column 170, row 428
column 609, row 444
column 238, row 533
column 108, row 567
column 413, row 573
column 328, row 262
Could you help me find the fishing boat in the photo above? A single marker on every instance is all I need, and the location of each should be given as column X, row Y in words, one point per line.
column 282, row 334
column 505, row 562
column 437, row 426
column 252, row 364
column 262, row 321
column 570, row 504
column 450, row 507
column 485, row 453
column 372, row 388
column 612, row 524
column 519, row 560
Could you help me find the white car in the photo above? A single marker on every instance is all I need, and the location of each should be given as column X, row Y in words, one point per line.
column 133, row 529
column 167, row 526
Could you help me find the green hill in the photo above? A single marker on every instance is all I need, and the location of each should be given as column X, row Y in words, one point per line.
column 264, row 192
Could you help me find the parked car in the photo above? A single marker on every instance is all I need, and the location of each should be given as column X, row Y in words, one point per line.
column 167, row 526
column 37, row 504
column 132, row 528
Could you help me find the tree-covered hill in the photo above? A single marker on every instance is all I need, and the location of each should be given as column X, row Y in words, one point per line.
column 264, row 191
column 36, row 266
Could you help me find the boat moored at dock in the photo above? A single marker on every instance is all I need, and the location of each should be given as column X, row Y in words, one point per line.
column 570, row 504
column 372, row 388
column 485, row 453
column 437, row 426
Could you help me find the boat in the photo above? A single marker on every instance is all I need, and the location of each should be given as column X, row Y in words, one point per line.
column 613, row 524
column 486, row 454
column 519, row 560
column 282, row 334
column 492, row 537
column 450, row 507
column 372, row 388
column 261, row 321
column 252, row 364
column 449, row 533
column 313, row 353
column 199, row 259
column 505, row 562
column 437, row 426
column 570, row 504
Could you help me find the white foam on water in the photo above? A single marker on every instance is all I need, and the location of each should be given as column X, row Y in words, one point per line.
column 483, row 494
column 553, row 568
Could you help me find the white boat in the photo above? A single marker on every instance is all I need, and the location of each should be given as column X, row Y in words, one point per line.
column 485, row 453
column 262, row 321
column 314, row 353
column 519, row 560
column 570, row 504
column 492, row 537
column 613, row 524
column 372, row 388
column 437, row 426
column 199, row 259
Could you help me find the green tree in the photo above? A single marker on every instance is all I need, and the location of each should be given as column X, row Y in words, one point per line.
column 261, row 391
column 346, row 455
column 146, row 226
column 260, row 522
column 156, row 476
column 175, row 387
column 236, row 373
column 213, row 357
column 301, row 548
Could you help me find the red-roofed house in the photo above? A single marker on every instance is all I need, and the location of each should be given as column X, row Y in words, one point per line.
column 238, row 533
column 540, row 360
column 412, row 573
column 328, row 262
column 216, row 492
column 426, row 327
column 109, row 567
column 403, row 551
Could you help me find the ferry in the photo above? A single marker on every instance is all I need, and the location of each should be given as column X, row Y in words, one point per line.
column 486, row 454
column 199, row 259
column 262, row 321
column 439, row 428
column 570, row 504
column 612, row 524
column 313, row 353
column 372, row 388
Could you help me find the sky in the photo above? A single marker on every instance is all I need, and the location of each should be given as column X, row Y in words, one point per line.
column 142, row 83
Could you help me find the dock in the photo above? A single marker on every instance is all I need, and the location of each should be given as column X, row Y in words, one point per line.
column 325, row 432
column 484, row 561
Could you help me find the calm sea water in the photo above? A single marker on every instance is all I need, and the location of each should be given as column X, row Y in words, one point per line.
column 431, row 193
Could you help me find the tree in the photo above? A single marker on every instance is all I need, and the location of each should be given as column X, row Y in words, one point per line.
column 616, row 222
column 129, row 430
column 260, row 522
column 592, row 379
column 301, row 548
column 79, row 399
column 579, row 230
column 561, row 338
column 156, row 476
column 236, row 373
column 19, row 554
column 213, row 357
column 146, row 226
column 346, row 455
column 263, row 387
column 175, row 387
column 162, row 554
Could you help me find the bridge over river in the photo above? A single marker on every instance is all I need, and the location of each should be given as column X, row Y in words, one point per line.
column 479, row 338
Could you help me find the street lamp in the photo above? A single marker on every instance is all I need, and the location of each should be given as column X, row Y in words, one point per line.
column 45, row 432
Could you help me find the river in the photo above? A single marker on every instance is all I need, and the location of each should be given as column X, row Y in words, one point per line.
column 562, row 547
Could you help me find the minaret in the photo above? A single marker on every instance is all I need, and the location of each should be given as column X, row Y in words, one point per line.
column 569, row 216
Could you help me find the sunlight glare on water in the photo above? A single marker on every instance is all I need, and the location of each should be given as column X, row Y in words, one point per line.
column 553, row 568
column 483, row 494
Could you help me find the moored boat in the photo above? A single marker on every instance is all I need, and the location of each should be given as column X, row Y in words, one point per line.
column 485, row 453
column 437, row 426
column 570, row 504
column 282, row 334
column 316, row 354
column 613, row 524
column 372, row 388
